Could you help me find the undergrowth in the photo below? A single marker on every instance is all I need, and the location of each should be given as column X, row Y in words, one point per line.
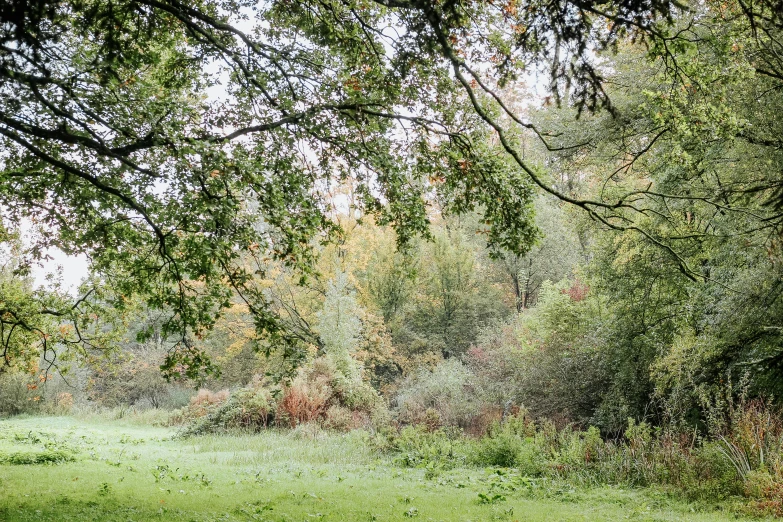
column 744, row 461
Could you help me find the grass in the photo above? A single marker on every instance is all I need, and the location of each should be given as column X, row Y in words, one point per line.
column 121, row 471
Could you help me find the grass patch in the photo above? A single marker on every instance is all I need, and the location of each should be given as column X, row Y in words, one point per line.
column 130, row 472
column 35, row 457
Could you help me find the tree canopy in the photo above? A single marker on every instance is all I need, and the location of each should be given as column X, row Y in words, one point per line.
column 184, row 146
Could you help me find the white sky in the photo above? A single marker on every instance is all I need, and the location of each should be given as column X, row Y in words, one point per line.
column 74, row 270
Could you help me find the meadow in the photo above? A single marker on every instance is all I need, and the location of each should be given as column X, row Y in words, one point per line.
column 65, row 468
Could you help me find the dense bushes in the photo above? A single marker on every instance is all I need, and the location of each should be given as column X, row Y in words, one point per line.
column 443, row 396
column 135, row 379
column 18, row 393
column 419, row 446
column 319, row 393
column 547, row 358
column 643, row 457
column 544, row 358
column 249, row 408
column 744, row 458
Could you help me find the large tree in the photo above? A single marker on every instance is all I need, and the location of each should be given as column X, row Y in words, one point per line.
column 180, row 144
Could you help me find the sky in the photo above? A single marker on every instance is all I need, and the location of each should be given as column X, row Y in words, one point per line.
column 73, row 268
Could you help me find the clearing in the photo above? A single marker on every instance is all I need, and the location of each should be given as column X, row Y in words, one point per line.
column 118, row 471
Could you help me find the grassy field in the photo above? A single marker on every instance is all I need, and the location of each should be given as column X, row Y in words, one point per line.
column 68, row 469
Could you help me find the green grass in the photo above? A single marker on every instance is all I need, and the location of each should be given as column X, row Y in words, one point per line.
column 124, row 472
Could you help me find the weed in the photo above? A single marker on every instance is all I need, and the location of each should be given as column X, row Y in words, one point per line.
column 484, row 498
column 36, row 457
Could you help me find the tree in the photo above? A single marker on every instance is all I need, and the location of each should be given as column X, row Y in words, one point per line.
column 113, row 146
column 454, row 298
column 113, row 149
column 340, row 325
column 553, row 258
column 694, row 137
column 36, row 322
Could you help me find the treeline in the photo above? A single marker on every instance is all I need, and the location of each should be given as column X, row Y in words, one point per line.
column 652, row 290
column 589, row 328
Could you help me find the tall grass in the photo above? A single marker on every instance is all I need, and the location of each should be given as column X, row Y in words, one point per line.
column 744, row 459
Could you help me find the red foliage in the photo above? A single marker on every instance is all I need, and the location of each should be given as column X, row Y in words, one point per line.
column 205, row 400
column 578, row 291
column 302, row 402
column 477, row 354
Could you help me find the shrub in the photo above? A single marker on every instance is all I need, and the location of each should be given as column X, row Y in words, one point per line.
column 444, row 396
column 133, row 378
column 511, row 444
column 767, row 492
column 750, row 440
column 753, row 439
column 304, row 401
column 319, row 388
column 63, row 402
column 201, row 404
column 414, row 446
column 481, row 423
column 745, row 459
column 501, row 450
column 550, row 358
column 318, row 394
column 250, row 408
column 205, row 400
column 18, row 394
column 340, row 418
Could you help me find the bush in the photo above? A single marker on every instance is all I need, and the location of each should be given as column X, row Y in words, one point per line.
column 750, row 440
column 415, row 446
column 304, row 400
column 550, row 358
column 511, row 444
column 697, row 468
column 63, row 403
column 318, row 394
column 18, row 394
column 340, row 418
column 251, row 408
column 320, row 388
column 444, row 396
column 503, row 450
column 767, row 491
column 206, row 401
column 134, row 379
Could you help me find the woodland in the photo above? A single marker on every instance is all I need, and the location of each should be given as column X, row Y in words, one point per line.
column 542, row 237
